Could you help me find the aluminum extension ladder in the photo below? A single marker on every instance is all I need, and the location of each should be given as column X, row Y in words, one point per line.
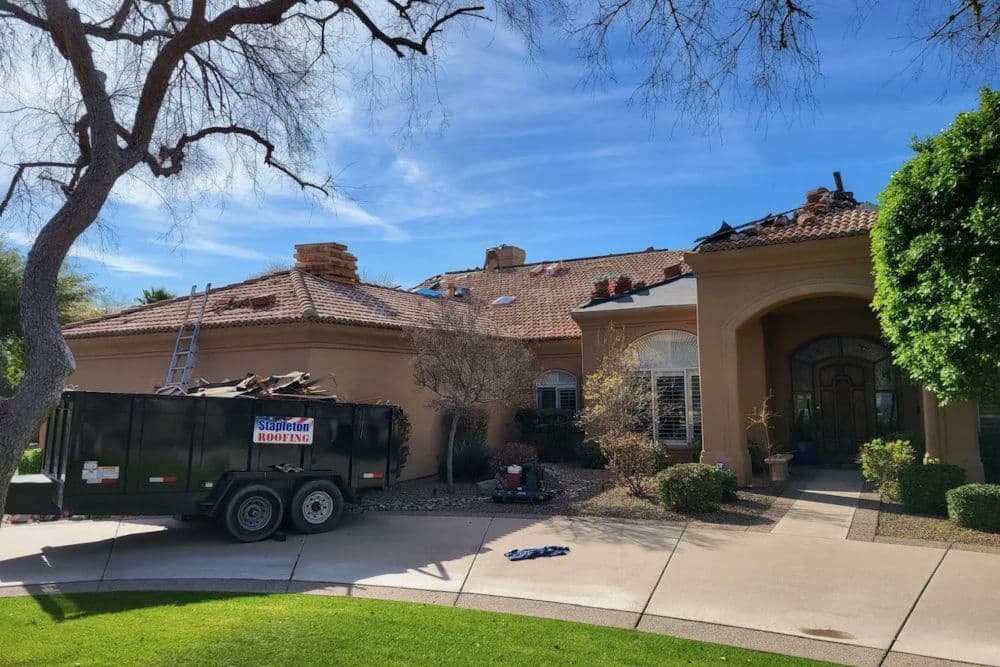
column 186, row 346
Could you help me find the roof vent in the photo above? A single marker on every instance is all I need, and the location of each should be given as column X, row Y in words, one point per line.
column 503, row 300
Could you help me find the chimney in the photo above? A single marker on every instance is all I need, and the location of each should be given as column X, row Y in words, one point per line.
column 327, row 260
column 503, row 257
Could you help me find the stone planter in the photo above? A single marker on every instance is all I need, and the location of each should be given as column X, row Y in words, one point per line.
column 778, row 463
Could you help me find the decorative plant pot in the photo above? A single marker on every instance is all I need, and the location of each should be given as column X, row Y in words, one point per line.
column 778, row 463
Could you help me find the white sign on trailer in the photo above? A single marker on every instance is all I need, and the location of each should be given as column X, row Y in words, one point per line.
column 283, row 430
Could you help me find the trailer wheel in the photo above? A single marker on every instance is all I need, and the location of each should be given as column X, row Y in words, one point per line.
column 253, row 513
column 316, row 506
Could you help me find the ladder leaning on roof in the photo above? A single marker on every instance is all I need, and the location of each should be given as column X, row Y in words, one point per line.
column 186, row 345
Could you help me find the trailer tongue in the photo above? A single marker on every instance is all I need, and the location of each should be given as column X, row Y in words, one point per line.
column 250, row 463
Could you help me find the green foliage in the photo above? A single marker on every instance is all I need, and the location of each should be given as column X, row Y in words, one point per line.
column 553, row 432
column 154, row 294
column 923, row 487
column 471, row 461
column 692, row 487
column 727, row 478
column 401, row 429
column 757, row 455
column 76, row 295
column 975, row 506
column 936, row 258
column 589, row 454
column 31, row 462
column 882, row 460
column 203, row 628
column 513, row 453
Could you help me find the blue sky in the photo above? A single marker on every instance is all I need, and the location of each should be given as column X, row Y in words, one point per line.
column 527, row 157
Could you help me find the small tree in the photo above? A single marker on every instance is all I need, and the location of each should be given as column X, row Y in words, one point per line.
column 467, row 365
column 764, row 416
column 616, row 411
column 936, row 258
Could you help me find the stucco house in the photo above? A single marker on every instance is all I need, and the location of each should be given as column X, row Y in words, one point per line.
column 780, row 305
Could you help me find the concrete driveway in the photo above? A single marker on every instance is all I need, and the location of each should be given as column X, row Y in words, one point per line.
column 853, row 602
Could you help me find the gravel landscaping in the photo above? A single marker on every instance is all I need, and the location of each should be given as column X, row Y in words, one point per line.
column 580, row 491
column 893, row 522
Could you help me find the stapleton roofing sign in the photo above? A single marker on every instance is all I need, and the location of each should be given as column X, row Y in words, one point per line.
column 283, row 430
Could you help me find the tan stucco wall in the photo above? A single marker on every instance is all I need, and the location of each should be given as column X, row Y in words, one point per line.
column 368, row 365
column 736, row 289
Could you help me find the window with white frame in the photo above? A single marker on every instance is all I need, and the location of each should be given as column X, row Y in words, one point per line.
column 668, row 365
column 556, row 389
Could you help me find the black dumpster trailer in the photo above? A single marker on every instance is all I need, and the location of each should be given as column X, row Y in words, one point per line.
column 250, row 463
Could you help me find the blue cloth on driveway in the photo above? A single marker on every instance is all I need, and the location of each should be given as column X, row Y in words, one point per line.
column 536, row 552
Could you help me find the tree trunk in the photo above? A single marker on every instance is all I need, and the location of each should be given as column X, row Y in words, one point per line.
column 451, row 453
column 48, row 359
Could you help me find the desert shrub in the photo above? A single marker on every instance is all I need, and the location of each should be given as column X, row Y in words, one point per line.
column 881, row 460
column 691, row 487
column 554, row 433
column 729, row 484
column 757, row 456
column 923, row 487
column 631, row 458
column 975, row 506
column 471, row 461
column 31, row 462
column 589, row 454
column 662, row 459
column 401, row 429
column 513, row 453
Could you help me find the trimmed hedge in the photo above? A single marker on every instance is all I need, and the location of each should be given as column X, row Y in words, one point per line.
column 554, row 433
column 31, row 462
column 975, row 506
column 696, row 487
column 471, row 461
column 923, row 487
column 589, row 454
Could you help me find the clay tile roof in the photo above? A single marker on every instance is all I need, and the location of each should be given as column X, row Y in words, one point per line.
column 794, row 226
column 543, row 303
column 287, row 296
column 541, row 309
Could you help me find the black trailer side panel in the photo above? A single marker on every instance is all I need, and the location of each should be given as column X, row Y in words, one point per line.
column 334, row 438
column 265, row 456
column 224, row 441
column 166, row 431
column 372, row 439
column 98, row 455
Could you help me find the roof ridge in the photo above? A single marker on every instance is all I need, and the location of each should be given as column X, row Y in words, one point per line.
column 567, row 259
column 302, row 293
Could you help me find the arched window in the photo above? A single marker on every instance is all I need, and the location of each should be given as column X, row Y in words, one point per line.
column 556, row 389
column 668, row 365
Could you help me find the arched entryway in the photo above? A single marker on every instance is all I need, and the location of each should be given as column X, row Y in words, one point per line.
column 844, row 393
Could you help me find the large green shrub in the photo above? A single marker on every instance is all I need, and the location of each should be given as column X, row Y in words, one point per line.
column 471, row 461
column 975, row 506
column 923, row 487
column 691, row 487
column 554, row 433
column 31, row 462
column 589, row 454
column 882, row 460
column 936, row 258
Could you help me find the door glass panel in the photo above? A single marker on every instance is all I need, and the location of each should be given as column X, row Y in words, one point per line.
column 695, row 383
column 885, row 412
column 546, row 398
column 567, row 399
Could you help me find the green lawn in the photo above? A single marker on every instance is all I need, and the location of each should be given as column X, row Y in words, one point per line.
column 226, row 629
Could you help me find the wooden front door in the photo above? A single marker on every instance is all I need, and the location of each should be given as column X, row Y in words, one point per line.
column 845, row 408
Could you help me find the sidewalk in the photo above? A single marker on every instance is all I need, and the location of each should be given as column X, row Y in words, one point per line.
column 830, row 598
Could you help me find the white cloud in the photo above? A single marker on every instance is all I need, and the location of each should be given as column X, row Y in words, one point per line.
column 409, row 169
column 120, row 263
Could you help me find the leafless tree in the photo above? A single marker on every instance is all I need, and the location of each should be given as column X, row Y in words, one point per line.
column 94, row 90
column 467, row 366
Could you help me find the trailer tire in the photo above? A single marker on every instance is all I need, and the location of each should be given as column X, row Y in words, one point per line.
column 316, row 506
column 253, row 513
